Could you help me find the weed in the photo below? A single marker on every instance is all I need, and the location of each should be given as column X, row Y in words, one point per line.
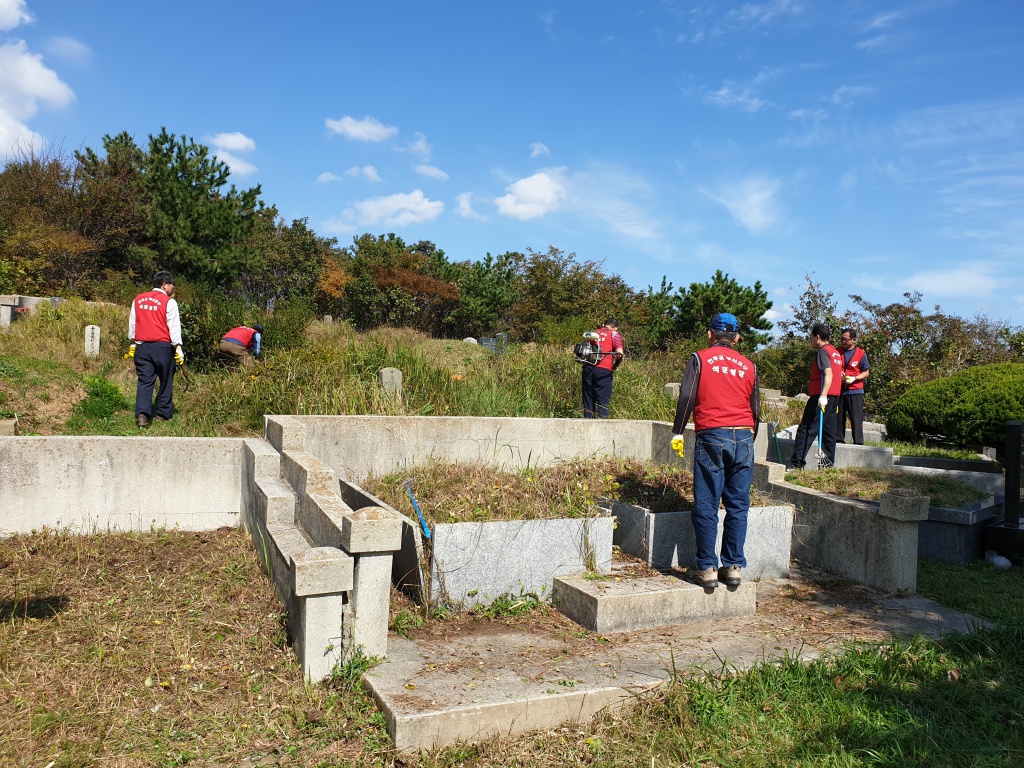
column 511, row 606
column 347, row 675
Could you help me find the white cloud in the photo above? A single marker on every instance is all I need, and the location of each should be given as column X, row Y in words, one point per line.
column 326, row 177
column 465, row 207
column 392, row 211
column 367, row 129
column 773, row 315
column 25, row 83
column 537, row 149
column 432, row 172
column 752, row 201
column 882, row 20
column 534, row 196
column 976, row 279
column 365, row 171
column 845, row 94
column 232, row 142
column 961, row 124
column 225, row 146
column 617, row 199
column 738, row 96
column 13, row 13
column 70, row 49
column 419, row 146
column 764, row 13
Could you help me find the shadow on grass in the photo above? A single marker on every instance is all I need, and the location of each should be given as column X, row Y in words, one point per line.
column 33, row 608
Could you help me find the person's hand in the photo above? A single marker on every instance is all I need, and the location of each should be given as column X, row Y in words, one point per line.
column 849, row 379
column 130, row 353
column 823, row 402
column 179, row 356
column 678, row 444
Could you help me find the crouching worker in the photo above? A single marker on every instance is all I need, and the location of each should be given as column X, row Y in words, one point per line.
column 238, row 342
column 720, row 389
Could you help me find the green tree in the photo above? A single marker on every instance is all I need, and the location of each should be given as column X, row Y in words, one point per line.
column 694, row 307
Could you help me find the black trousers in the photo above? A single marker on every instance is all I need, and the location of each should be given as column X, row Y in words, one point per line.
column 852, row 407
column 154, row 360
column 597, row 392
column 807, row 432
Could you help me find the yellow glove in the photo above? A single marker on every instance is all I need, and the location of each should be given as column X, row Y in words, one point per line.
column 179, row 356
column 130, row 353
column 678, row 444
column 850, row 379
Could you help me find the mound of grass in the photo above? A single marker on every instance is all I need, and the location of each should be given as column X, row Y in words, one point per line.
column 870, row 484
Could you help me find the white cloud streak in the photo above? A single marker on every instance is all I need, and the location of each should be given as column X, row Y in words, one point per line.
column 751, row 201
column 392, row 211
column 69, row 49
column 464, row 207
column 431, row 172
column 975, row 279
column 225, row 146
column 537, row 149
column 13, row 13
column 25, row 84
column 420, row 146
column 367, row 172
column 367, row 129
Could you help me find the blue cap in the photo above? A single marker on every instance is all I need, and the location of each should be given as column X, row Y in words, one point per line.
column 723, row 321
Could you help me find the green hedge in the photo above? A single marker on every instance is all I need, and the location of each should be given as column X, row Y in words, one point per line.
column 968, row 409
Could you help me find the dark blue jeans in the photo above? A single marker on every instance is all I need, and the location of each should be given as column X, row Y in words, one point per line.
column 154, row 360
column 723, row 470
column 597, row 392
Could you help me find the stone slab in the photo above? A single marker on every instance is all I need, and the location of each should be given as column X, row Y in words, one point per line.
column 984, row 481
column 609, row 605
column 490, row 680
column 474, row 563
column 959, row 465
column 874, row 456
column 8, row 427
column 321, row 571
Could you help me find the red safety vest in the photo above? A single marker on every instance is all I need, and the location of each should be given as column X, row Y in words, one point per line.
column 241, row 334
column 723, row 392
column 853, row 368
column 836, row 363
column 151, row 316
column 607, row 342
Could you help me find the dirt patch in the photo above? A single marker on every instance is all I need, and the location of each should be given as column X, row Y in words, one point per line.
column 43, row 409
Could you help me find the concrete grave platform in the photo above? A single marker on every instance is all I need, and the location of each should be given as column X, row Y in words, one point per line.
column 474, row 681
column 627, row 605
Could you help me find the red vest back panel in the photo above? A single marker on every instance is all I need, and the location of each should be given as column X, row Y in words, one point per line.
column 151, row 316
column 241, row 334
column 607, row 342
column 723, row 393
column 836, row 363
column 853, row 369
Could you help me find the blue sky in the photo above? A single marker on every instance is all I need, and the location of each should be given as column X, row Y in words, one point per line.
column 876, row 145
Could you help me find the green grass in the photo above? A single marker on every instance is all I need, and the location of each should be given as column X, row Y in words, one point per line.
column 929, row 451
column 870, row 484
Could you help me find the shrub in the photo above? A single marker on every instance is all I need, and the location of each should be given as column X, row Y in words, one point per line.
column 968, row 409
column 102, row 399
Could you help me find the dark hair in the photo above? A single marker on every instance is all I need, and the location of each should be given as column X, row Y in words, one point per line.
column 851, row 331
column 160, row 279
column 728, row 336
column 258, row 329
column 611, row 322
column 821, row 330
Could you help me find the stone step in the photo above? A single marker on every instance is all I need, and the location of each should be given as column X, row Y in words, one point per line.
column 628, row 604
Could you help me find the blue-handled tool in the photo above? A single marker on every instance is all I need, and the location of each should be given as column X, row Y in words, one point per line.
column 419, row 514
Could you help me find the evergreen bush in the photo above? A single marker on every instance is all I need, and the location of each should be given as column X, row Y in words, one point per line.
column 968, row 409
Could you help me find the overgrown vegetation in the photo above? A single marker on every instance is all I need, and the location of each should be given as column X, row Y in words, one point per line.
column 870, row 484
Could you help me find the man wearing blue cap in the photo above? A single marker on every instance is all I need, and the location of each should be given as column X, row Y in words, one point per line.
column 720, row 389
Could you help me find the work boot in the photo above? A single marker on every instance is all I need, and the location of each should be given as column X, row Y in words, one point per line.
column 730, row 575
column 158, row 417
column 707, row 578
column 142, row 420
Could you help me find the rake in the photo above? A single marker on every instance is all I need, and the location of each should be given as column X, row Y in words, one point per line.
column 823, row 462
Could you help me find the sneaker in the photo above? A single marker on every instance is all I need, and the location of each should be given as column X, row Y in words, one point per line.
column 730, row 575
column 160, row 418
column 142, row 420
column 707, row 578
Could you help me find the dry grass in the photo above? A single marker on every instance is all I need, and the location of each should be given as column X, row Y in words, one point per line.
column 870, row 484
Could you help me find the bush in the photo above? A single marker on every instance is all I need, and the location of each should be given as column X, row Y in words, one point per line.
column 968, row 409
column 102, row 399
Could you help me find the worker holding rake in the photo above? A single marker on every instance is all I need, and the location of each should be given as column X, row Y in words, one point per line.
column 720, row 390
column 820, row 413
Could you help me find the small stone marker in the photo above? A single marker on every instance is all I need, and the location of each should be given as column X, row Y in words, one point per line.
column 92, row 341
column 469, row 340
column 672, row 390
column 391, row 380
column 8, row 427
column 328, row 320
column 6, row 315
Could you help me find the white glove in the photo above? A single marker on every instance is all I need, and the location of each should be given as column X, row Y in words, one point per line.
column 179, row 356
column 678, row 444
column 849, row 379
column 822, row 401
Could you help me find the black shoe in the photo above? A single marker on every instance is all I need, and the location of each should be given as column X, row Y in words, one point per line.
column 142, row 420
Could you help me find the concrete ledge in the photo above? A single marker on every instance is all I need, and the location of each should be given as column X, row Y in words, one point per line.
column 983, row 481
column 284, row 433
column 956, row 465
column 371, row 529
column 873, row 456
column 321, row 571
column 635, row 604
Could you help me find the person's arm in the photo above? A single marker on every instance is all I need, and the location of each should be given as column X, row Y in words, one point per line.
column 173, row 322
column 824, row 362
column 755, row 403
column 687, row 395
column 256, row 338
column 865, row 368
column 131, row 324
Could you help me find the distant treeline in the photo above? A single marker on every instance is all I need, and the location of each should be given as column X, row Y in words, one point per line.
column 98, row 224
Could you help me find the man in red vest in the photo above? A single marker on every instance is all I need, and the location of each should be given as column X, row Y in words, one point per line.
column 237, row 343
column 720, row 389
column 824, row 386
column 855, row 372
column 154, row 330
column 597, row 377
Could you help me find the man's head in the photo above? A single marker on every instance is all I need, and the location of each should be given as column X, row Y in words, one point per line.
column 820, row 334
column 258, row 329
column 165, row 281
column 611, row 322
column 848, row 338
column 724, row 327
